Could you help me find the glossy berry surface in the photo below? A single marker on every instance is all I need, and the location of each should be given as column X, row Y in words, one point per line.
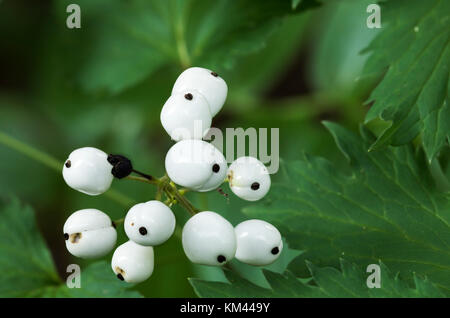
column 186, row 115
column 209, row 239
column 132, row 262
column 89, row 233
column 205, row 81
column 248, row 178
column 150, row 223
column 196, row 164
column 258, row 242
column 87, row 170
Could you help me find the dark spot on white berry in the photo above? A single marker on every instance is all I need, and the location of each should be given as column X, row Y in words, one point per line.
column 214, row 74
column 215, row 168
column 113, row 224
column 143, row 230
column 275, row 250
column 66, row 236
column 75, row 238
column 188, row 96
column 230, row 177
column 255, row 186
column 221, row 258
column 119, row 276
column 68, row 164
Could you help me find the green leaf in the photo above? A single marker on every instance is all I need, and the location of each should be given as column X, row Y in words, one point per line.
column 304, row 4
column 97, row 280
column 413, row 51
column 25, row 260
column 122, row 42
column 349, row 282
column 282, row 285
column 338, row 29
column 387, row 209
column 28, row 269
column 295, row 4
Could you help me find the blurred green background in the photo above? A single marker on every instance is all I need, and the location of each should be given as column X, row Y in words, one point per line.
column 103, row 86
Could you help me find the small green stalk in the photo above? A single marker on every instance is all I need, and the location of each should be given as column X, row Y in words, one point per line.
column 165, row 185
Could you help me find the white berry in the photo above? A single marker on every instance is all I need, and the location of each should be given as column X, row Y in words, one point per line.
column 132, row 262
column 207, row 82
column 209, row 239
column 258, row 242
column 186, row 115
column 248, row 178
column 87, row 170
column 150, row 223
column 89, row 233
column 196, row 164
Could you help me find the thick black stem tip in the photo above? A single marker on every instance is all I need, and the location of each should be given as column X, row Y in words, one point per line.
column 122, row 166
column 146, row 176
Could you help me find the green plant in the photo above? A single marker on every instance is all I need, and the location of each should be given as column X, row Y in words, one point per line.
column 386, row 201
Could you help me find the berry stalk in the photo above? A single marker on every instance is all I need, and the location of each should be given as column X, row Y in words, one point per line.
column 165, row 185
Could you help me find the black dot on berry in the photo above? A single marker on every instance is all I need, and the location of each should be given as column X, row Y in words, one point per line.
column 188, row 96
column 66, row 236
column 113, row 224
column 275, row 250
column 221, row 258
column 214, row 74
column 255, row 186
column 215, row 168
column 119, row 276
column 68, row 164
column 143, row 230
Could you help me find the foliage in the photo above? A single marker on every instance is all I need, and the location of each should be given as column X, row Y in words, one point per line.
column 387, row 208
column 139, row 37
column 288, row 64
column 28, row 269
column 412, row 55
column 325, row 282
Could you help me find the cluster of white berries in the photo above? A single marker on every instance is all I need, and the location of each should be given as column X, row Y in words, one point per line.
column 197, row 96
column 207, row 237
column 90, row 233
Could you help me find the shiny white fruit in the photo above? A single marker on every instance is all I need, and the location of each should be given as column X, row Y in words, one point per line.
column 186, row 115
column 89, row 233
column 150, row 223
column 258, row 242
column 209, row 239
column 248, row 178
column 132, row 262
column 207, row 82
column 196, row 164
column 87, row 170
